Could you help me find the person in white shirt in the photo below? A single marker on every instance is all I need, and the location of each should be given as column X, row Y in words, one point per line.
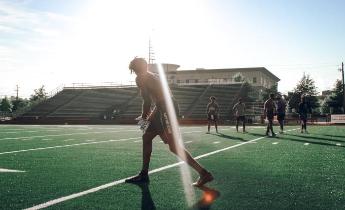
column 240, row 109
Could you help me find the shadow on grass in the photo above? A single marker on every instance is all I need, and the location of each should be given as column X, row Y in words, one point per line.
column 228, row 137
column 314, row 137
column 335, row 136
column 209, row 196
column 308, row 141
column 146, row 199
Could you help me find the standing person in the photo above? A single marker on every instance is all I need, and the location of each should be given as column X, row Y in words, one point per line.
column 240, row 108
column 157, row 122
column 281, row 110
column 269, row 109
column 212, row 113
column 303, row 109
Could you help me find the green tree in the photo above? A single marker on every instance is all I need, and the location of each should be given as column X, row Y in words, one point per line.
column 5, row 105
column 306, row 87
column 334, row 102
column 19, row 104
column 40, row 94
column 267, row 91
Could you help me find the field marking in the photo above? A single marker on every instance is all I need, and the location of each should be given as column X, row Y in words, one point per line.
column 188, row 142
column 306, row 144
column 275, row 143
column 68, row 145
column 338, row 144
column 70, row 139
column 47, row 139
column 138, row 141
column 121, row 181
column 66, row 134
column 4, row 170
column 216, row 142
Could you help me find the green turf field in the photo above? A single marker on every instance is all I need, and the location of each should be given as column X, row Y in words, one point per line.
column 293, row 171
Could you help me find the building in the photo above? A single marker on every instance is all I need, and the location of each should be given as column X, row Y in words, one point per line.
column 258, row 77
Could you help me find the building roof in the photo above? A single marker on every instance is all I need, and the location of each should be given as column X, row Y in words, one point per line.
column 261, row 69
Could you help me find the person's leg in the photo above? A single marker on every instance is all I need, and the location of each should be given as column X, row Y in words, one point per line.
column 305, row 125
column 147, row 150
column 178, row 149
column 237, row 122
column 268, row 127
column 216, row 125
column 244, row 124
column 271, row 127
column 143, row 177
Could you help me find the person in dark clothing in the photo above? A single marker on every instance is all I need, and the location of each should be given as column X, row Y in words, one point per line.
column 156, row 121
column 269, row 111
column 281, row 109
column 240, row 109
column 303, row 110
column 212, row 113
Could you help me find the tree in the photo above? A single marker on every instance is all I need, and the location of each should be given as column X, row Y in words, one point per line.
column 306, row 87
column 334, row 102
column 238, row 77
column 19, row 104
column 267, row 91
column 5, row 105
column 39, row 95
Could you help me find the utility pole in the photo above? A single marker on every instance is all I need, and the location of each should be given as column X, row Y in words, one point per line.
column 342, row 73
column 17, row 91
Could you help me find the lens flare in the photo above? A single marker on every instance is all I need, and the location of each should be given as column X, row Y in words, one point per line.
column 184, row 169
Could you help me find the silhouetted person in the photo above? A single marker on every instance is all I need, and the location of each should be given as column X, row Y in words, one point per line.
column 240, row 109
column 212, row 113
column 303, row 109
column 281, row 110
column 269, row 110
column 157, row 122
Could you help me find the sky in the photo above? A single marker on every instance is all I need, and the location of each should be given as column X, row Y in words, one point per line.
column 59, row 42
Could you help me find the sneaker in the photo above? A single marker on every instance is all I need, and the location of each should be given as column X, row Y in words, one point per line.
column 274, row 135
column 140, row 178
column 306, row 132
column 267, row 134
column 208, row 132
column 203, row 179
column 301, row 131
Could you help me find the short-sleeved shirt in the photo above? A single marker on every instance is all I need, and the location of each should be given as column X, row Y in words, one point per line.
column 281, row 106
column 212, row 108
column 240, row 109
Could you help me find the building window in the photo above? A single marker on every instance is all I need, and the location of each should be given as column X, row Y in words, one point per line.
column 178, row 81
column 196, row 81
column 187, row 80
column 254, row 80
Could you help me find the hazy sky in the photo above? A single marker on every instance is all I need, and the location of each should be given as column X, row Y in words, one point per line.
column 56, row 42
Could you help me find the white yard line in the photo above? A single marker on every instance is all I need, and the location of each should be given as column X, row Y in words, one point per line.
column 188, row 142
column 338, row 144
column 117, row 182
column 306, row 144
column 216, row 142
column 68, row 145
column 4, row 170
column 275, row 143
column 66, row 134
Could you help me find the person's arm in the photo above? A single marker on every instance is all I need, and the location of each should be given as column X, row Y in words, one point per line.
column 235, row 106
column 146, row 106
column 265, row 108
column 207, row 108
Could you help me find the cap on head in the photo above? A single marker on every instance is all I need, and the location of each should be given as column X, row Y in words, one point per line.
column 212, row 98
column 138, row 65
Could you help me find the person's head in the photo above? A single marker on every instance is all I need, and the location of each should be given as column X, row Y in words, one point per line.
column 279, row 97
column 272, row 96
column 303, row 98
column 138, row 65
column 240, row 100
column 212, row 98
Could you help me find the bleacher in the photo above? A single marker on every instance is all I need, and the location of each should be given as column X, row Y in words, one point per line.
column 124, row 103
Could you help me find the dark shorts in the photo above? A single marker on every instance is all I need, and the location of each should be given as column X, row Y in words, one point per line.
column 212, row 117
column 303, row 117
column 160, row 125
column 281, row 117
column 270, row 116
column 241, row 118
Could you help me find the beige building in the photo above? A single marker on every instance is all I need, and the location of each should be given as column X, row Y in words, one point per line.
column 258, row 76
